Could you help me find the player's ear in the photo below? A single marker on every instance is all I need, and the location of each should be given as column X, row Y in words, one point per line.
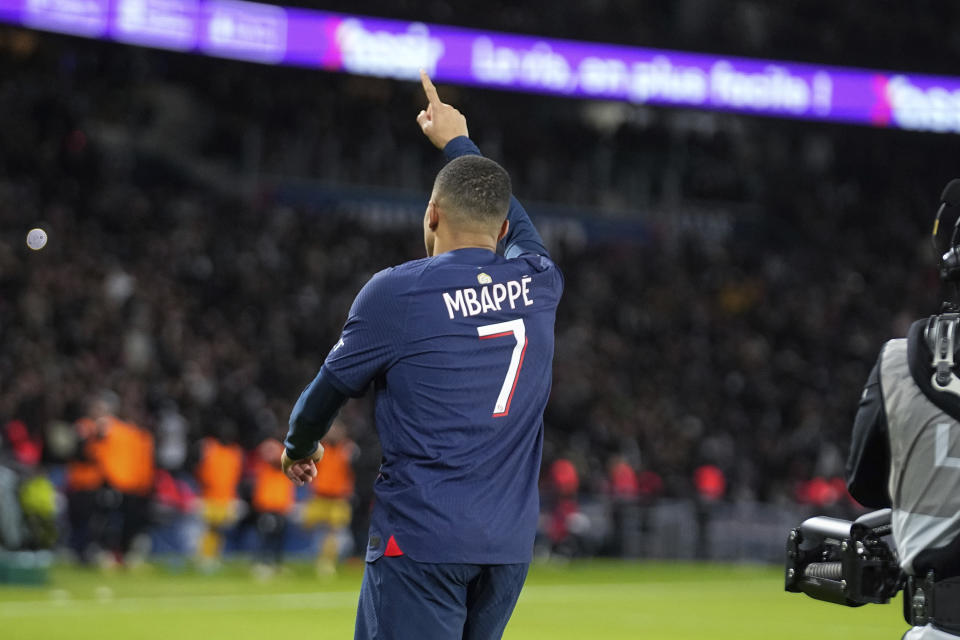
column 503, row 230
column 433, row 216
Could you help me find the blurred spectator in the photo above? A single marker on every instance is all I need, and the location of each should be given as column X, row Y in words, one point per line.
column 84, row 484
column 38, row 501
column 172, row 516
column 172, row 435
column 710, row 482
column 218, row 472
column 28, row 507
column 823, row 493
column 26, row 449
column 649, row 485
column 273, row 499
column 329, row 510
column 124, row 457
column 711, row 485
column 623, row 488
column 560, row 499
column 624, row 484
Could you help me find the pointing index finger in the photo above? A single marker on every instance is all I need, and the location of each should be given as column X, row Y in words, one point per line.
column 429, row 89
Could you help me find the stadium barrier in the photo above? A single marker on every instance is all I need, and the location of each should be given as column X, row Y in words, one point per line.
column 684, row 529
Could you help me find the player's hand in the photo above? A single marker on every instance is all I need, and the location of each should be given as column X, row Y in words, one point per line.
column 440, row 122
column 301, row 471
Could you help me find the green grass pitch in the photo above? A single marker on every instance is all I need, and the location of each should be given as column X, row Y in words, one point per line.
column 591, row 599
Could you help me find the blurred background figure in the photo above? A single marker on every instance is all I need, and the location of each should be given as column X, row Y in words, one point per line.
column 329, row 510
column 38, row 501
column 272, row 501
column 27, row 497
column 218, row 471
column 562, row 506
column 711, row 485
column 84, row 489
column 623, row 488
column 124, row 455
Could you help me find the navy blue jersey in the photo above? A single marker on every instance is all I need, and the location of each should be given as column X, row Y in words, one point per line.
column 459, row 350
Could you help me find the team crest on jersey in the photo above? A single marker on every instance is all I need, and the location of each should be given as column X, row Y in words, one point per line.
column 483, row 278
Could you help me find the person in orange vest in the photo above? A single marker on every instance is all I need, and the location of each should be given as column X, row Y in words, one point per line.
column 330, row 510
column 84, row 481
column 125, row 456
column 272, row 500
column 218, row 472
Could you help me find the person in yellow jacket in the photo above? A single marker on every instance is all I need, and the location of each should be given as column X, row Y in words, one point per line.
column 272, row 500
column 329, row 511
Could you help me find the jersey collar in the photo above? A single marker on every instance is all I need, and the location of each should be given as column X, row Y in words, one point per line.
column 470, row 255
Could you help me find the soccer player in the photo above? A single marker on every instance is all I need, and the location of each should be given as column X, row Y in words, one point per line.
column 458, row 347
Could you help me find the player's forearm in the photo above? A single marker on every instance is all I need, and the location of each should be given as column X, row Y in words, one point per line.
column 522, row 236
column 312, row 416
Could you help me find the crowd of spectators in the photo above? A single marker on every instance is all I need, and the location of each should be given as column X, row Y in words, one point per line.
column 176, row 276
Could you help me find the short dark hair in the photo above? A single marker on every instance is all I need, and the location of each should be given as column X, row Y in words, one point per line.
column 474, row 189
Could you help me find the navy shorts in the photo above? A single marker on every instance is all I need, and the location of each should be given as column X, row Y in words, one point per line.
column 406, row 600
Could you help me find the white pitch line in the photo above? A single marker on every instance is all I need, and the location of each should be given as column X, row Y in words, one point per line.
column 278, row 601
column 239, row 602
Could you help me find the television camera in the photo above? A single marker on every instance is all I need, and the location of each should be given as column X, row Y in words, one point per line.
column 844, row 562
column 853, row 563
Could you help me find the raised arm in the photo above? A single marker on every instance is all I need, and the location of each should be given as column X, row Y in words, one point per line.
column 446, row 128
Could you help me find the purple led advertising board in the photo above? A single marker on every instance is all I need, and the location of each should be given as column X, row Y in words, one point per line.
column 271, row 34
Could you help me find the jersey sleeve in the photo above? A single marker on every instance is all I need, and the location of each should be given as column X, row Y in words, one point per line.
column 522, row 237
column 868, row 467
column 312, row 416
column 371, row 338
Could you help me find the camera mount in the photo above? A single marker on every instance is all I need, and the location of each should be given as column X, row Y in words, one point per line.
column 842, row 561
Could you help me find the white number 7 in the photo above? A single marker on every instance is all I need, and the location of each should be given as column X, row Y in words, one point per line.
column 500, row 330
